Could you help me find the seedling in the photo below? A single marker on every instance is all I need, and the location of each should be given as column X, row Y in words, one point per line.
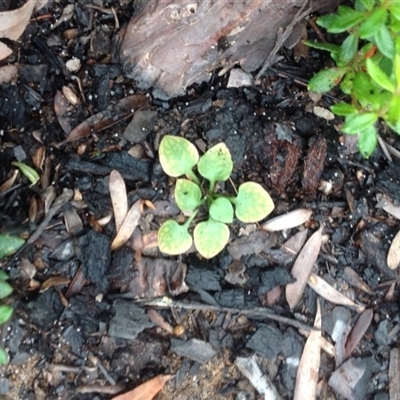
column 367, row 67
column 179, row 157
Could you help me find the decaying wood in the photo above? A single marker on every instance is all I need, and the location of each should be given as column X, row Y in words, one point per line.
column 171, row 44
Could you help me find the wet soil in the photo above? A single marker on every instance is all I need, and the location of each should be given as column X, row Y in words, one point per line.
column 90, row 322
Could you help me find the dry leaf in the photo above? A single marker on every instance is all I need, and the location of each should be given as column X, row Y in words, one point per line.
column 54, row 281
column 323, row 113
column 387, row 204
column 7, row 72
column 302, row 267
column 393, row 257
column 119, row 198
column 351, row 277
column 147, row 390
column 128, row 225
column 325, row 290
column 288, row 221
column 62, row 108
column 307, row 371
column 394, row 372
column 360, row 327
column 10, row 181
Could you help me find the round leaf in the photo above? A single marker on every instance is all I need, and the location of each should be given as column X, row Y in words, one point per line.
column 9, row 244
column 177, row 156
column 5, row 289
column 252, row 202
column 216, row 164
column 187, row 195
column 3, row 357
column 173, row 239
column 5, row 313
column 221, row 210
column 210, row 237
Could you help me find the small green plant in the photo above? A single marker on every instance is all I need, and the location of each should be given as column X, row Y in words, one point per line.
column 367, row 67
column 252, row 203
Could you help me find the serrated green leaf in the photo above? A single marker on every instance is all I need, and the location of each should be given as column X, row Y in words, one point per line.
column 394, row 9
column 384, row 41
column 5, row 289
column 323, row 46
column 346, row 85
column 221, row 210
column 367, row 141
column 252, row 203
column 210, row 237
column 325, row 80
column 364, row 5
column 373, row 23
column 5, row 313
column 177, row 156
column 357, row 123
column 379, row 76
column 349, row 48
column 216, row 164
column 9, row 244
column 343, row 109
column 396, row 67
column 3, row 276
column 346, row 19
column 367, row 92
column 28, row 172
column 3, row 357
column 187, row 195
column 393, row 114
column 173, row 239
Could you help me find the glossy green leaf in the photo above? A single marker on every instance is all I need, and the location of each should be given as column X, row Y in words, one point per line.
column 349, row 48
column 357, row 123
column 367, row 92
column 364, row 5
column 347, row 19
column 252, row 203
column 216, row 164
column 3, row 276
column 5, row 313
column 325, row 80
column 174, row 239
column 3, row 357
column 346, row 85
column 187, row 195
column 343, row 109
column 397, row 70
column 393, row 114
column 27, row 171
column 9, row 244
column 384, row 41
column 379, row 76
column 333, row 48
column 210, row 237
column 373, row 23
column 221, row 210
column 5, row 289
column 177, row 156
column 367, row 141
column 394, row 9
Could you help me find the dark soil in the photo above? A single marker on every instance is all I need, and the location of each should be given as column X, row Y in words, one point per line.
column 91, row 333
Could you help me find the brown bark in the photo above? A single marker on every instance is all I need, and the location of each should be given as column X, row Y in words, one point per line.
column 172, row 44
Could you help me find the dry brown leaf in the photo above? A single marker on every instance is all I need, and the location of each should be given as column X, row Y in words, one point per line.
column 394, row 374
column 351, row 277
column 387, row 204
column 54, row 281
column 393, row 257
column 119, row 198
column 7, row 72
column 61, row 108
column 128, row 225
column 328, row 292
column 360, row 327
column 302, row 268
column 10, row 181
column 147, row 390
column 307, row 371
column 287, row 221
column 295, row 243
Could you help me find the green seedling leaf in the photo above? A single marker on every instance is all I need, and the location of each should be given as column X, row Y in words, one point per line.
column 3, row 357
column 5, row 289
column 393, row 114
column 325, row 80
column 252, row 202
column 347, row 83
column 9, row 244
column 343, row 109
column 216, row 164
column 349, row 48
column 177, row 156
column 221, row 210
column 5, row 313
column 373, row 23
column 174, row 239
column 187, row 195
column 343, row 22
column 3, row 276
column 367, row 93
column 364, row 5
column 367, row 141
column 384, row 41
column 332, row 48
column 394, row 9
column 397, row 69
column 210, row 237
column 27, row 171
column 357, row 123
column 379, row 76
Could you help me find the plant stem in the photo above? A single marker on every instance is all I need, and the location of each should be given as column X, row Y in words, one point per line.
column 191, row 175
column 190, row 219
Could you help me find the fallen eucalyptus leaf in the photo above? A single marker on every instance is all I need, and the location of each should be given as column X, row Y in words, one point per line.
column 393, row 257
column 288, row 220
column 119, row 198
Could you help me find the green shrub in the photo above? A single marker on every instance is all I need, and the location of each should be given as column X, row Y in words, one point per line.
column 367, row 67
